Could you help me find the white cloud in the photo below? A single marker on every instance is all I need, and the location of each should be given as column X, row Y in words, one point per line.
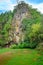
column 7, row 5
column 38, row 6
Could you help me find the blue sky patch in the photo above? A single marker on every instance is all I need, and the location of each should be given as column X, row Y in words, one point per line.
column 6, row 5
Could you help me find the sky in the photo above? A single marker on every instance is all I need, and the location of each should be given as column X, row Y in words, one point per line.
column 6, row 5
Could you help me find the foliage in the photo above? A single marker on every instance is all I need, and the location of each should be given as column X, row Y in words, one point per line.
column 31, row 26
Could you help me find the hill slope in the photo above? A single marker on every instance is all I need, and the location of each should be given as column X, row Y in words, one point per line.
column 23, row 25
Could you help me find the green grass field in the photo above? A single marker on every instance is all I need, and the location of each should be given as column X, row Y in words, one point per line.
column 20, row 57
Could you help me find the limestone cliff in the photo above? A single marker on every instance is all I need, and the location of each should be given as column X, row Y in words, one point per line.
column 16, row 33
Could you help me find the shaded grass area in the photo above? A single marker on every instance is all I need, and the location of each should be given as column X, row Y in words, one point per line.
column 3, row 50
column 20, row 57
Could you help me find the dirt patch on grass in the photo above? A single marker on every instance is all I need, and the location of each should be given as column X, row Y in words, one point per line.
column 5, row 57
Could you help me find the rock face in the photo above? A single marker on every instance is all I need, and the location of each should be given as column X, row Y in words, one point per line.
column 16, row 33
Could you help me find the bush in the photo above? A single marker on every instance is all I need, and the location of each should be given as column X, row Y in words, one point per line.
column 41, row 37
column 24, row 45
column 20, row 45
column 40, row 48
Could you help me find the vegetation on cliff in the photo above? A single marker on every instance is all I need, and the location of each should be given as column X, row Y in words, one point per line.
column 32, row 26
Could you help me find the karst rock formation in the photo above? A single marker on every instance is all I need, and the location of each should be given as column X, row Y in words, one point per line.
column 16, row 33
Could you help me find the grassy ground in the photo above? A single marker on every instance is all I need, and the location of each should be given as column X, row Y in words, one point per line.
column 20, row 57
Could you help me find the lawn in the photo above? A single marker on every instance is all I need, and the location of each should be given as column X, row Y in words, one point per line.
column 20, row 57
